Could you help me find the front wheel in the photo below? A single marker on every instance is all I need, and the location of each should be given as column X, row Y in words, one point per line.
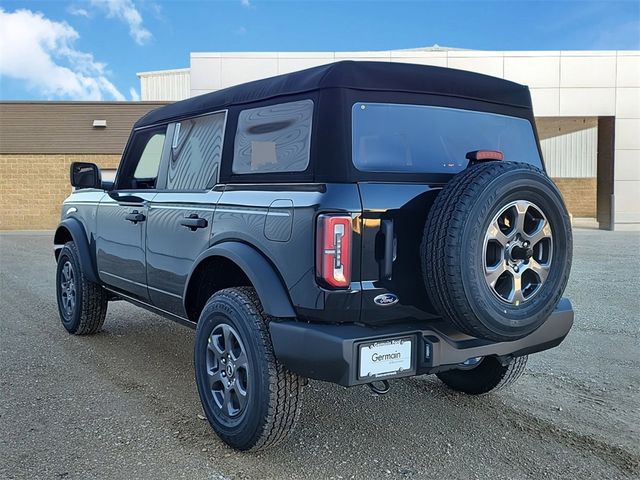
column 487, row 375
column 251, row 401
column 82, row 304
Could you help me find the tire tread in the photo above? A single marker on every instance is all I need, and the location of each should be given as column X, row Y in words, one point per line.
column 490, row 377
column 442, row 255
column 94, row 298
column 285, row 388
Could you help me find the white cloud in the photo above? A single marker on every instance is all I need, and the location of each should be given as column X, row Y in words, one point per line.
column 126, row 11
column 135, row 96
column 43, row 55
column 246, row 3
column 240, row 30
column 78, row 12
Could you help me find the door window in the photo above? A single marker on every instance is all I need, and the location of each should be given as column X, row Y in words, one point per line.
column 142, row 163
column 196, row 150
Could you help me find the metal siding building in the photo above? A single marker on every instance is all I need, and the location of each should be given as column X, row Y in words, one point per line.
column 586, row 103
column 571, row 150
column 166, row 85
column 587, row 106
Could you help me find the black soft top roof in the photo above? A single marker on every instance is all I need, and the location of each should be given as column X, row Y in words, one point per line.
column 357, row 75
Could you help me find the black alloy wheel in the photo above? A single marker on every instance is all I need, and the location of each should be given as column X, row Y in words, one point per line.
column 228, row 371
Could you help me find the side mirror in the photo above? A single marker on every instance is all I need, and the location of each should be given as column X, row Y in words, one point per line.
column 85, row 175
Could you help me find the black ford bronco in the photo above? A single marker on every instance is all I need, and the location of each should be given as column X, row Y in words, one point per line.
column 352, row 223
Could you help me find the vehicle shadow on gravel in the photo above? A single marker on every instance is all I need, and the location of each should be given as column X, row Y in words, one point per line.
column 418, row 429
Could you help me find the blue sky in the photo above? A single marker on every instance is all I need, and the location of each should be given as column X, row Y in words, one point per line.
column 92, row 49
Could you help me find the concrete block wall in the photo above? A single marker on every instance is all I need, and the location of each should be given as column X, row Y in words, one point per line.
column 579, row 195
column 33, row 187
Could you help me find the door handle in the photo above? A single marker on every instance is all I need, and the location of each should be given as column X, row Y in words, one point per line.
column 135, row 217
column 193, row 222
column 389, row 255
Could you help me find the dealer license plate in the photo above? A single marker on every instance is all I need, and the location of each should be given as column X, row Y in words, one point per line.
column 385, row 358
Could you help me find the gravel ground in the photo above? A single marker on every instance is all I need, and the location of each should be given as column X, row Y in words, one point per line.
column 123, row 403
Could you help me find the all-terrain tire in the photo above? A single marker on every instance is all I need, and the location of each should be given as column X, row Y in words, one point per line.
column 453, row 250
column 489, row 375
column 273, row 394
column 83, row 314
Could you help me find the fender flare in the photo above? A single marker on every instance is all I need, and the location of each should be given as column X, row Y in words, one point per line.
column 76, row 230
column 268, row 284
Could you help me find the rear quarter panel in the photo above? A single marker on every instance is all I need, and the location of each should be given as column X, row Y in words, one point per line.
column 279, row 221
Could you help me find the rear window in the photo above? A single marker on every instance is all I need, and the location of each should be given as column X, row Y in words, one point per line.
column 425, row 139
column 274, row 138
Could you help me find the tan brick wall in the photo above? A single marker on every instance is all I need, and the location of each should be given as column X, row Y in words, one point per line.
column 580, row 195
column 32, row 187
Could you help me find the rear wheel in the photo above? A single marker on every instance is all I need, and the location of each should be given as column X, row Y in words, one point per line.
column 251, row 401
column 82, row 304
column 485, row 376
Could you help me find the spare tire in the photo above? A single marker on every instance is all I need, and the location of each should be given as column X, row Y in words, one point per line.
column 497, row 249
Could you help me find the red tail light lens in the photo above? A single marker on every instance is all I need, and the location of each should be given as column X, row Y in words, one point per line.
column 333, row 249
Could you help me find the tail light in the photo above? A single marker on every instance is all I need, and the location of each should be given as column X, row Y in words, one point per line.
column 333, row 250
column 482, row 155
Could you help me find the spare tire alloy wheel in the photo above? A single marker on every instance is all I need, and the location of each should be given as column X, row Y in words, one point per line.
column 518, row 249
column 496, row 251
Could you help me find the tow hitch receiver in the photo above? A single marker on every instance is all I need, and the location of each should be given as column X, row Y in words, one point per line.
column 380, row 387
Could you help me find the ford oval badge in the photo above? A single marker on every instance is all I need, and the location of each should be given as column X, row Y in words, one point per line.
column 386, row 299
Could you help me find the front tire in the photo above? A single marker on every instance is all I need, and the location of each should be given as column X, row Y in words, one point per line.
column 251, row 401
column 489, row 375
column 82, row 304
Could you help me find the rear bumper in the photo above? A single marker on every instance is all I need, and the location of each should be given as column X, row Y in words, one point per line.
column 330, row 352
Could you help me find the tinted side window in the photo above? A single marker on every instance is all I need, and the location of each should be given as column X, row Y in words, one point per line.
column 150, row 159
column 196, row 149
column 141, row 165
column 274, row 138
